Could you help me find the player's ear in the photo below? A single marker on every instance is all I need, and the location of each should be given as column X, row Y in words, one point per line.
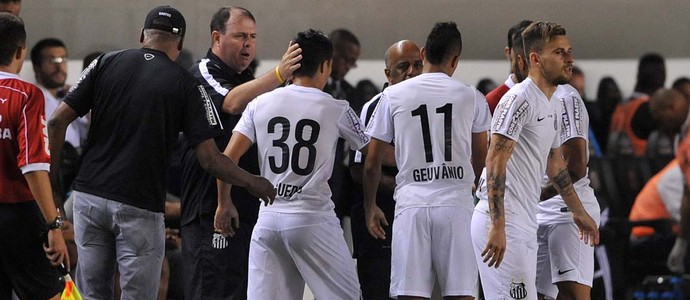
column 215, row 37
column 422, row 53
column 20, row 52
column 180, row 44
column 506, row 51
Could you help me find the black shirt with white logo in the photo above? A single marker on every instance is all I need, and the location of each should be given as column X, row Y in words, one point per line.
column 139, row 101
column 199, row 189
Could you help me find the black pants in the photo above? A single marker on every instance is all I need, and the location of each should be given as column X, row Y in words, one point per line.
column 214, row 269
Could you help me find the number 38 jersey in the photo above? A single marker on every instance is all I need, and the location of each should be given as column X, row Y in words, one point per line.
column 431, row 118
column 296, row 130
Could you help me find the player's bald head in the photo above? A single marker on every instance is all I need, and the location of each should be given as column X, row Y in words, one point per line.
column 403, row 61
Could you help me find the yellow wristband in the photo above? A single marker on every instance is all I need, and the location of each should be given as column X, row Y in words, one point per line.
column 280, row 78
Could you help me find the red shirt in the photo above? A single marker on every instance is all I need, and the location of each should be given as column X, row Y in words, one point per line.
column 493, row 97
column 23, row 137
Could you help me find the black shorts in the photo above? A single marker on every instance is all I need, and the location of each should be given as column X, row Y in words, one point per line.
column 24, row 266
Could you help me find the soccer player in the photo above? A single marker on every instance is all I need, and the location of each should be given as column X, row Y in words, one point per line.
column 298, row 238
column 403, row 62
column 27, row 210
column 562, row 259
column 525, row 124
column 440, row 129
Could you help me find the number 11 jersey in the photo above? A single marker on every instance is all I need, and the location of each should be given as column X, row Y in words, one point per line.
column 431, row 119
column 296, row 130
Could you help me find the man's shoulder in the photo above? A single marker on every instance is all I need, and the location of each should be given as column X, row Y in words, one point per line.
column 498, row 92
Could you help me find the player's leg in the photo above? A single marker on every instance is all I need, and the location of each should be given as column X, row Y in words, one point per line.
column 515, row 277
column 318, row 248
column 544, row 285
column 23, row 263
column 95, row 245
column 452, row 252
column 140, row 248
column 272, row 272
column 572, row 262
column 411, row 266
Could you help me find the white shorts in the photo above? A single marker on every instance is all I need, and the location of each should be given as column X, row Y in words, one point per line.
column 432, row 243
column 562, row 256
column 288, row 250
column 515, row 277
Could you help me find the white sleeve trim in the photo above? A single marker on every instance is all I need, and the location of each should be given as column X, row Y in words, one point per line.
column 35, row 167
column 203, row 69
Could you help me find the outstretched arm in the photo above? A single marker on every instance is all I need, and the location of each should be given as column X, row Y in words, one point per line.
column 237, row 99
column 557, row 172
column 500, row 151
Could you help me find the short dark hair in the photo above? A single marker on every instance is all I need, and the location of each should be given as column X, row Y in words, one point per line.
column 517, row 29
column 12, row 36
column 43, row 44
column 341, row 36
column 651, row 73
column 316, row 48
column 223, row 14
column 444, row 41
column 680, row 82
column 537, row 34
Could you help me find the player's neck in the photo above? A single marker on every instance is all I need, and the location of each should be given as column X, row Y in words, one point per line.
column 431, row 68
column 309, row 82
column 13, row 68
column 546, row 87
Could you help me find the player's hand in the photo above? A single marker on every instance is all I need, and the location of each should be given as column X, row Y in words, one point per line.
column 226, row 220
column 290, row 61
column 376, row 219
column 262, row 188
column 56, row 250
column 495, row 247
column 675, row 258
column 589, row 231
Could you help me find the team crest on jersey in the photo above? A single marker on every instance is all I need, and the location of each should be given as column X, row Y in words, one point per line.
column 148, row 56
column 219, row 241
column 518, row 290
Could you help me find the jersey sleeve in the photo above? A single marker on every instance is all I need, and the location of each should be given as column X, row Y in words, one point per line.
column 246, row 125
column 32, row 135
column 380, row 124
column 482, row 117
column 510, row 116
column 573, row 121
column 80, row 96
column 201, row 119
column 351, row 129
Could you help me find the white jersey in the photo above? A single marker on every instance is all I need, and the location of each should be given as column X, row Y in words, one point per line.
column 296, row 130
column 76, row 131
column 574, row 121
column 432, row 118
column 527, row 117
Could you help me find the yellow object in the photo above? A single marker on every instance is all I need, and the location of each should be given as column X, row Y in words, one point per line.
column 70, row 292
column 280, row 78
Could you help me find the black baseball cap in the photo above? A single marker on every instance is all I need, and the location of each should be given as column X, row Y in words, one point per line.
column 166, row 18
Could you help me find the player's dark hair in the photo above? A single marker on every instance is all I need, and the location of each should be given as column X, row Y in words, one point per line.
column 316, row 48
column 517, row 29
column 12, row 36
column 36, row 58
column 444, row 42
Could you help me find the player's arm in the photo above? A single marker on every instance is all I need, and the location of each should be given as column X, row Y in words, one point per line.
column 223, row 168
column 560, row 178
column 500, row 151
column 57, row 126
column 479, row 149
column 39, row 184
column 387, row 154
column 375, row 218
column 237, row 99
column 387, row 182
column 575, row 155
column 227, row 219
column 675, row 260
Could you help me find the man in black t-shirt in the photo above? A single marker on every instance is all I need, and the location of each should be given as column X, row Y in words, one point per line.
column 215, row 266
column 139, row 101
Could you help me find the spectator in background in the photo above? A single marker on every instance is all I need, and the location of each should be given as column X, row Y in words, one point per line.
column 682, row 85
column 608, row 97
column 486, row 85
column 632, row 118
column 365, row 90
column 11, row 6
